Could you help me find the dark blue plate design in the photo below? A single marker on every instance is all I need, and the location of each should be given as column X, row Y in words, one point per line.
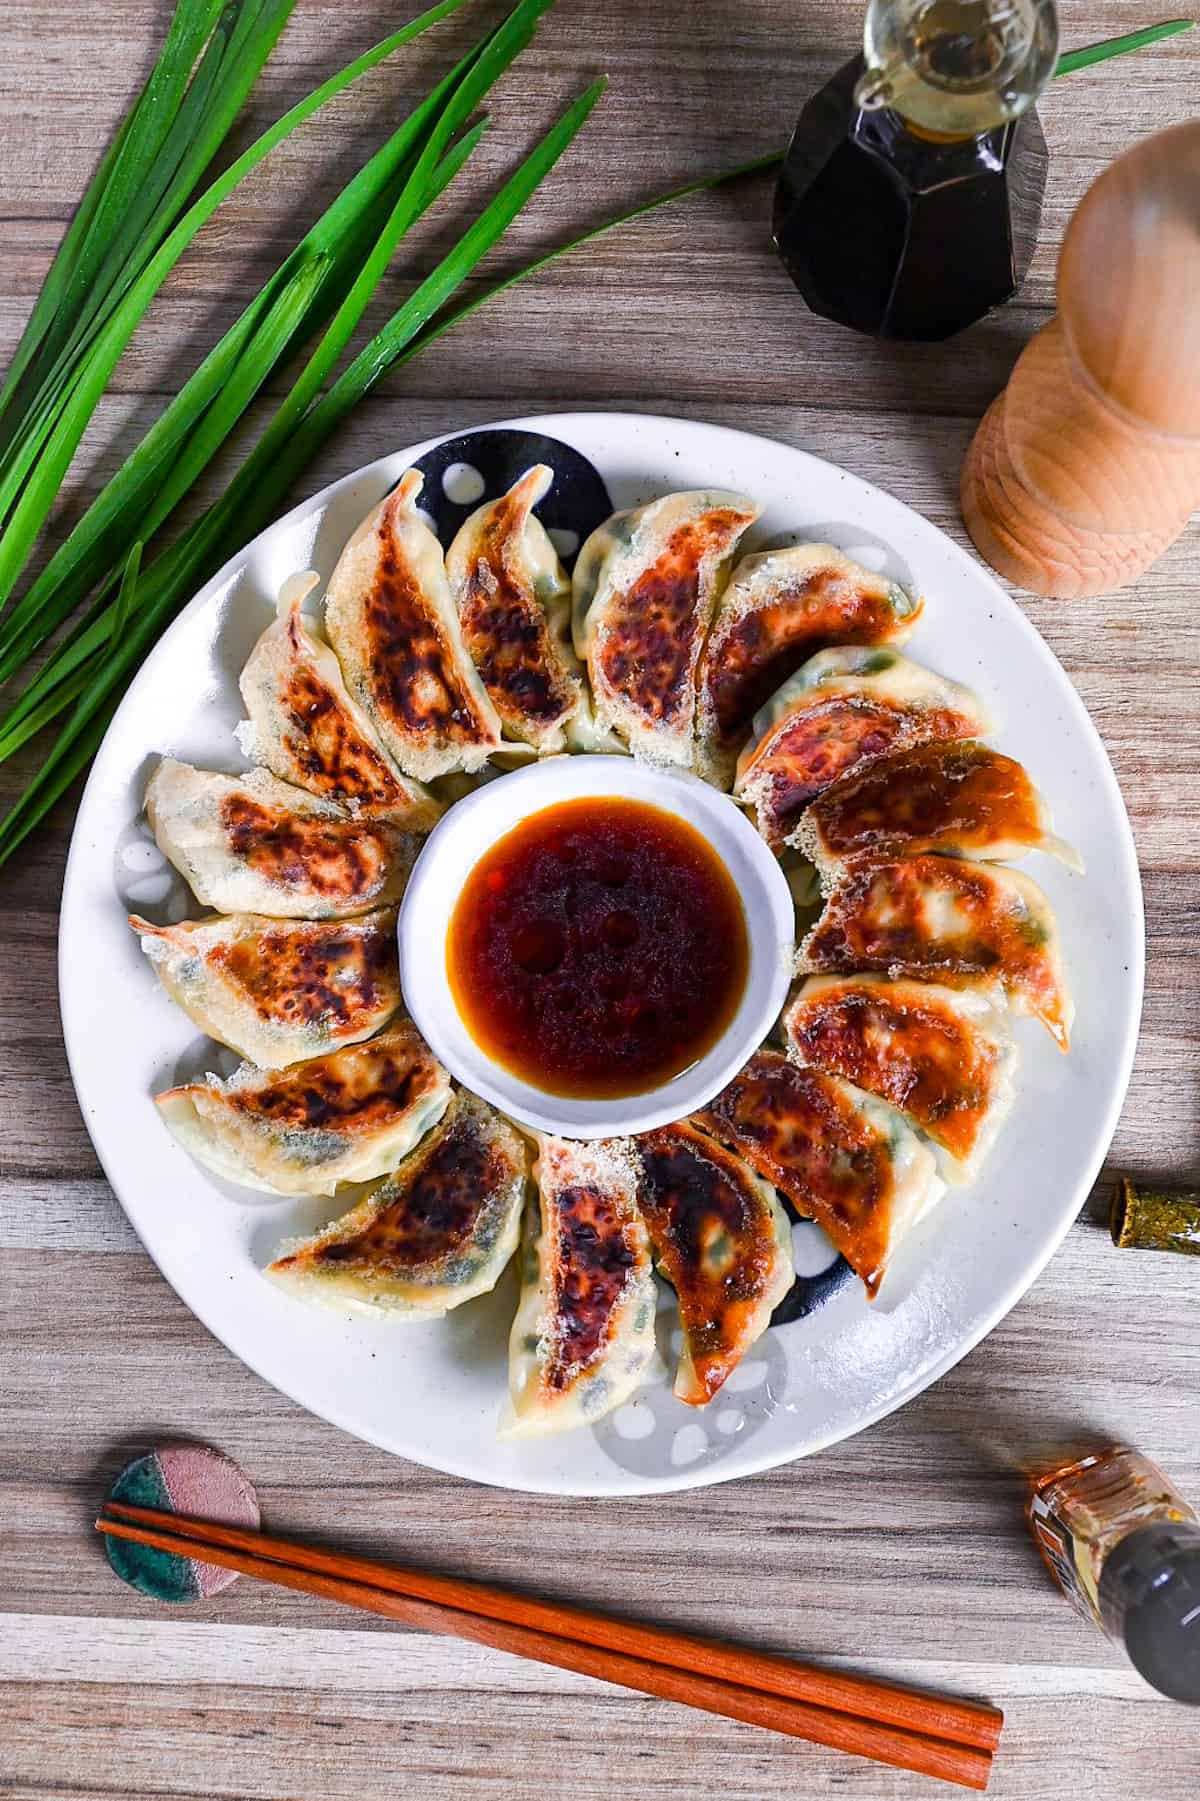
column 807, row 1293
column 577, row 503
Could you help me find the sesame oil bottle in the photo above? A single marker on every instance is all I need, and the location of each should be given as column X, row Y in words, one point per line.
column 1124, row 1546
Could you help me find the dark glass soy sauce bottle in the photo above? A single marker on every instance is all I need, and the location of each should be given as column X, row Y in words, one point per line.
column 910, row 196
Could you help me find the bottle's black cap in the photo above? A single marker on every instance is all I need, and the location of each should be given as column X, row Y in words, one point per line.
column 1162, row 1630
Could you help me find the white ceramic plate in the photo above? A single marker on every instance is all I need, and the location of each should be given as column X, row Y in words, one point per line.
column 432, row 1392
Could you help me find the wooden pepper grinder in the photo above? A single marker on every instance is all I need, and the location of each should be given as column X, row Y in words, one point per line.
column 1088, row 465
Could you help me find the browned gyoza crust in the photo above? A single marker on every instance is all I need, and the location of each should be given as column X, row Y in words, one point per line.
column 752, row 651
column 390, row 618
column 416, row 683
column 593, row 1254
column 423, row 1216
column 352, row 1091
column 823, row 742
column 582, row 1337
column 652, row 630
column 338, row 971
column 715, row 1240
column 1001, row 931
column 797, row 1129
column 647, row 620
column 963, row 797
column 337, row 859
column 334, row 758
column 505, row 627
column 306, row 727
column 904, row 1042
column 279, row 990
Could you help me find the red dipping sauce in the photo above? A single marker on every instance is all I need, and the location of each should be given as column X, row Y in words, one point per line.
column 598, row 949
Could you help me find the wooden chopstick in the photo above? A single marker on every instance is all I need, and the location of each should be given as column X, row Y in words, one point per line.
column 934, row 1716
column 967, row 1765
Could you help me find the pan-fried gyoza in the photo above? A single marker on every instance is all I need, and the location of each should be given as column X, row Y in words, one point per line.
column 723, row 1242
column 841, row 710
column 839, row 1155
column 645, row 587
column 391, row 619
column 279, row 990
column 307, row 729
column 436, row 1232
column 254, row 844
column 779, row 609
column 583, row 1335
column 943, row 919
column 345, row 1117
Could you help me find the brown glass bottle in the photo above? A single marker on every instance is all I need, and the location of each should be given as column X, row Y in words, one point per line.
column 1124, row 1546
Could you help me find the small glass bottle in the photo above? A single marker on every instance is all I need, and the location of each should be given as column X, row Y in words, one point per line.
column 1124, row 1546
column 910, row 197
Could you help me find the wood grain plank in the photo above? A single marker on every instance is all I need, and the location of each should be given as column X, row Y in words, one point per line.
column 108, row 1740
column 173, row 1653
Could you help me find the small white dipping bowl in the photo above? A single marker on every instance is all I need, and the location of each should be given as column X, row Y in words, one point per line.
column 475, row 824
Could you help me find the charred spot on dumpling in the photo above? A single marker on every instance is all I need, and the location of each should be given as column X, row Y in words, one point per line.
column 823, row 742
column 328, row 973
column 435, row 1232
column 593, row 1260
column 907, row 1042
column 790, row 1124
column 413, row 667
column 876, row 918
column 800, row 1133
column 959, row 795
column 576, row 504
column 334, row 858
column 714, row 1234
column 353, row 1090
column 423, row 1219
column 963, row 922
column 747, row 661
column 651, row 628
column 700, row 1213
column 509, row 644
column 330, row 753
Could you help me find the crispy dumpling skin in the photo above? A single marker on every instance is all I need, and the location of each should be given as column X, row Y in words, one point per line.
column 345, row 1117
column 840, row 711
column 390, row 617
column 275, row 990
column 583, row 1336
column 958, row 799
column 254, row 844
column 724, row 1243
column 645, row 586
column 514, row 606
column 780, row 608
column 943, row 1057
column 305, row 728
column 944, row 919
column 436, row 1232
column 840, row 1156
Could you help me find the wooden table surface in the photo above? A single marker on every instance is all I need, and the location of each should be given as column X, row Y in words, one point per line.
column 904, row 1549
